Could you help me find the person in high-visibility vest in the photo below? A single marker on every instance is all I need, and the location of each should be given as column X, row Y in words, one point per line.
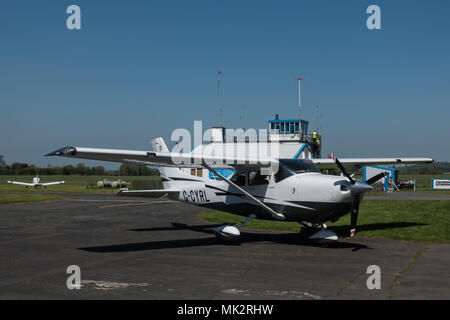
column 314, row 138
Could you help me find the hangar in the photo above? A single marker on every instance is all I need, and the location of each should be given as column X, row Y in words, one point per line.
column 371, row 171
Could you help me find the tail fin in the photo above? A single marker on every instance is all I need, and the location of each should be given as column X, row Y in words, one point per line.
column 159, row 145
column 166, row 173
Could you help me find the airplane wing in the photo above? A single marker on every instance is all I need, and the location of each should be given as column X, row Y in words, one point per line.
column 52, row 183
column 329, row 163
column 181, row 160
column 21, row 183
column 187, row 160
column 146, row 193
column 175, row 160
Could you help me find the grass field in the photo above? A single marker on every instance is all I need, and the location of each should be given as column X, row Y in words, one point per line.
column 427, row 221
column 6, row 198
column 73, row 183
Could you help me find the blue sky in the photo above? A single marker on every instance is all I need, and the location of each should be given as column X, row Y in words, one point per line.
column 139, row 69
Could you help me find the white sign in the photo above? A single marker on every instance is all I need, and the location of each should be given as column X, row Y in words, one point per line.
column 440, row 183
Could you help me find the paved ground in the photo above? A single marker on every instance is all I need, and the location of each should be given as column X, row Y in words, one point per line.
column 161, row 250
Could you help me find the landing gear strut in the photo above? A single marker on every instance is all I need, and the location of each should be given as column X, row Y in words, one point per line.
column 229, row 233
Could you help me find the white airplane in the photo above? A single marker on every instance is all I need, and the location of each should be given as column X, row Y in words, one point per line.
column 36, row 183
column 297, row 191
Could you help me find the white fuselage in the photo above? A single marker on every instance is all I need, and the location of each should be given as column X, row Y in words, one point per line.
column 310, row 197
column 36, row 181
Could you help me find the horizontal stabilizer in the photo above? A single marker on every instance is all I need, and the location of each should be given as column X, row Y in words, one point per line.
column 124, row 192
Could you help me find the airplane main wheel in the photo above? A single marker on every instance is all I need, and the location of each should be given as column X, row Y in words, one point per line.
column 324, row 236
column 227, row 234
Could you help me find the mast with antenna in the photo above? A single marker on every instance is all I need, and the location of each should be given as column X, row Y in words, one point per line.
column 243, row 117
column 299, row 79
column 218, row 110
column 319, row 117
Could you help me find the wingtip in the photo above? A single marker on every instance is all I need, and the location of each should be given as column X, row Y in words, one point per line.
column 120, row 192
column 66, row 151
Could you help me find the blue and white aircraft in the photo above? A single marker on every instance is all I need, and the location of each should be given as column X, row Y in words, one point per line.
column 265, row 188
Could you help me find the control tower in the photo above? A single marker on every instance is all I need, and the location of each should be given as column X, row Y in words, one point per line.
column 295, row 130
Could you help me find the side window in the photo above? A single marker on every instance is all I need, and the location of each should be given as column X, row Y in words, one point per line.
column 239, row 179
column 197, row 172
column 255, row 178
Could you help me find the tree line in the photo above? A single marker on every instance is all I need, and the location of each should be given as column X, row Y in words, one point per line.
column 126, row 169
column 433, row 168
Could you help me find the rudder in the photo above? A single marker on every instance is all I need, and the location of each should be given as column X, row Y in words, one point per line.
column 166, row 173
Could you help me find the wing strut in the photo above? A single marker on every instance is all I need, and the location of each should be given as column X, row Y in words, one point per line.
column 275, row 215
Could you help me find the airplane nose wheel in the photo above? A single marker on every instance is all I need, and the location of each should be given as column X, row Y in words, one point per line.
column 231, row 234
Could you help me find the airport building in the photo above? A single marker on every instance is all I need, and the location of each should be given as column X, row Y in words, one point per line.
column 285, row 139
column 390, row 173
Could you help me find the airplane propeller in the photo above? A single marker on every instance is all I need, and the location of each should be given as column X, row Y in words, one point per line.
column 354, row 214
column 344, row 171
column 355, row 204
column 356, row 187
column 375, row 178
